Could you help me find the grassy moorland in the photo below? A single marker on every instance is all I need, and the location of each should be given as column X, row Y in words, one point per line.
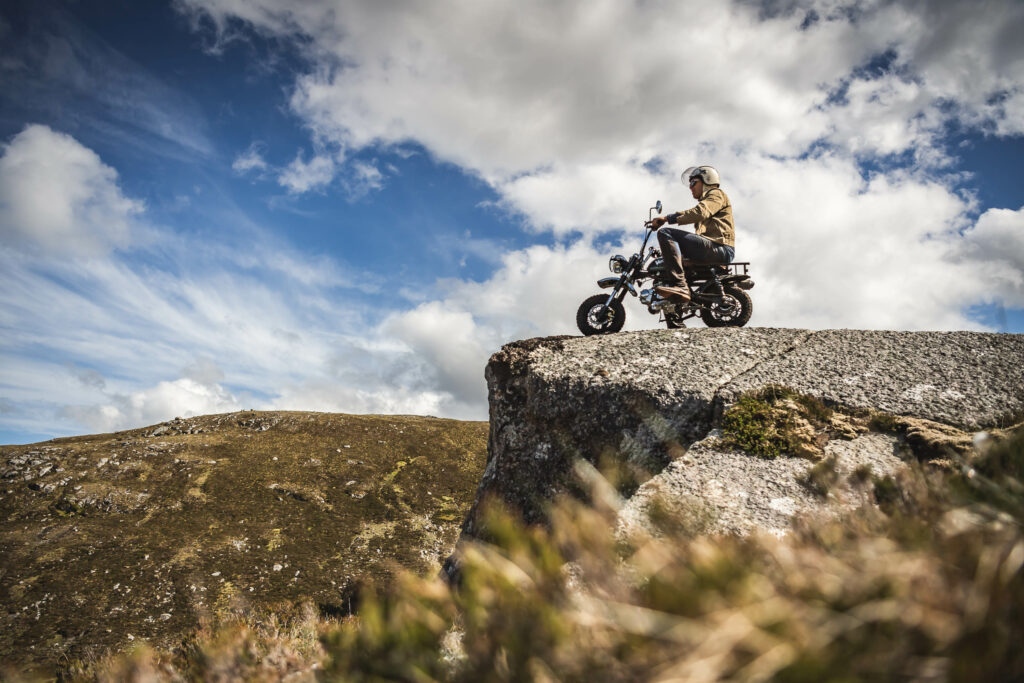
column 113, row 540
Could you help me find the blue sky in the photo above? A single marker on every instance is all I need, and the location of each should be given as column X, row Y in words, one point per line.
column 214, row 205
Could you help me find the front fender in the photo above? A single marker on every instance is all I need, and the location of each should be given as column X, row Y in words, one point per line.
column 608, row 282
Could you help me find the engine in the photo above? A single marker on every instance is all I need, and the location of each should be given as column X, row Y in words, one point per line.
column 655, row 303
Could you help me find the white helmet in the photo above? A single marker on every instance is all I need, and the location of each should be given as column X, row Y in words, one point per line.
column 707, row 174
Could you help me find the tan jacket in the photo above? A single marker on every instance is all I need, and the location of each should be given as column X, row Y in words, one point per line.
column 712, row 217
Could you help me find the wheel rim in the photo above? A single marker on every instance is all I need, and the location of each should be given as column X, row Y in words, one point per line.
column 595, row 321
column 729, row 308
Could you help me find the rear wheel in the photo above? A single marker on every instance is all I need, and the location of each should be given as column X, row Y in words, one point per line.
column 594, row 318
column 734, row 310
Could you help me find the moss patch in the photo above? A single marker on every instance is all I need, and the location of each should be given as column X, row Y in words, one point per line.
column 112, row 540
column 778, row 421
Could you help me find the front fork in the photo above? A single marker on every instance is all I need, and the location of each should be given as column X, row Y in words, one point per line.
column 620, row 285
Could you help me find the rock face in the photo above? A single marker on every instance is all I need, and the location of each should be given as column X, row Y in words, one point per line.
column 644, row 400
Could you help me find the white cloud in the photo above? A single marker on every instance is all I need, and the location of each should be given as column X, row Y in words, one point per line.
column 251, row 160
column 830, row 249
column 507, row 88
column 58, row 196
column 362, row 179
column 448, row 343
column 996, row 245
column 179, row 398
column 303, row 176
column 966, row 56
column 588, row 198
column 882, row 116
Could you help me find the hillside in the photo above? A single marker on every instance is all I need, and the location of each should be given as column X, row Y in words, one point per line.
column 114, row 539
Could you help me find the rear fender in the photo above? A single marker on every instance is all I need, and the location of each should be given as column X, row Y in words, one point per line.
column 733, row 279
column 741, row 281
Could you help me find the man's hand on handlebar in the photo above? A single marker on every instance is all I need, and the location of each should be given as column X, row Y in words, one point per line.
column 657, row 222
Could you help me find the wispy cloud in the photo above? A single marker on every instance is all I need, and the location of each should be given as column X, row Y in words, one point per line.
column 59, row 70
column 141, row 330
column 251, row 160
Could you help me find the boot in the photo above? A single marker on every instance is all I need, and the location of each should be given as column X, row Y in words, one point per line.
column 678, row 293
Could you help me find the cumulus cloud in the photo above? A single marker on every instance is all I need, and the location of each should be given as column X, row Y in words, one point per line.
column 446, row 342
column 832, row 249
column 179, row 398
column 587, row 198
column 446, row 339
column 58, row 196
column 507, row 88
column 996, row 245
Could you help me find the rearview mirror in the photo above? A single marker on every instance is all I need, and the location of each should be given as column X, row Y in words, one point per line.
column 657, row 207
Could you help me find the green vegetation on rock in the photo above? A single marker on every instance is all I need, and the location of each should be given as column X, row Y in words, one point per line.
column 776, row 421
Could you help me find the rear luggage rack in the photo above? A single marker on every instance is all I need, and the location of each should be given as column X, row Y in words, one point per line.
column 736, row 268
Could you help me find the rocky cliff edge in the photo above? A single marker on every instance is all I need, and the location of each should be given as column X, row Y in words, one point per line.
column 648, row 404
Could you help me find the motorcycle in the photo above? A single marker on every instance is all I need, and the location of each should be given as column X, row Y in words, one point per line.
column 718, row 291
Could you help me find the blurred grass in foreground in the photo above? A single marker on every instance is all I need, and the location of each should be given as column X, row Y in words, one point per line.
column 925, row 586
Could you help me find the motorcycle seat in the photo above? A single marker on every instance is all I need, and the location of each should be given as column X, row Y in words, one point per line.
column 706, row 270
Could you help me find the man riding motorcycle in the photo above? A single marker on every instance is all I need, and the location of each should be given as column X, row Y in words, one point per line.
column 714, row 236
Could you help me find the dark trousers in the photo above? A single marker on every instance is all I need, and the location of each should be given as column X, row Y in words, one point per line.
column 678, row 245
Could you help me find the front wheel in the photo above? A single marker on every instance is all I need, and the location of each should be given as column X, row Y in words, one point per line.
column 593, row 317
column 734, row 310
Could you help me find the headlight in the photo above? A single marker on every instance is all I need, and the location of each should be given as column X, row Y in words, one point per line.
column 617, row 264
